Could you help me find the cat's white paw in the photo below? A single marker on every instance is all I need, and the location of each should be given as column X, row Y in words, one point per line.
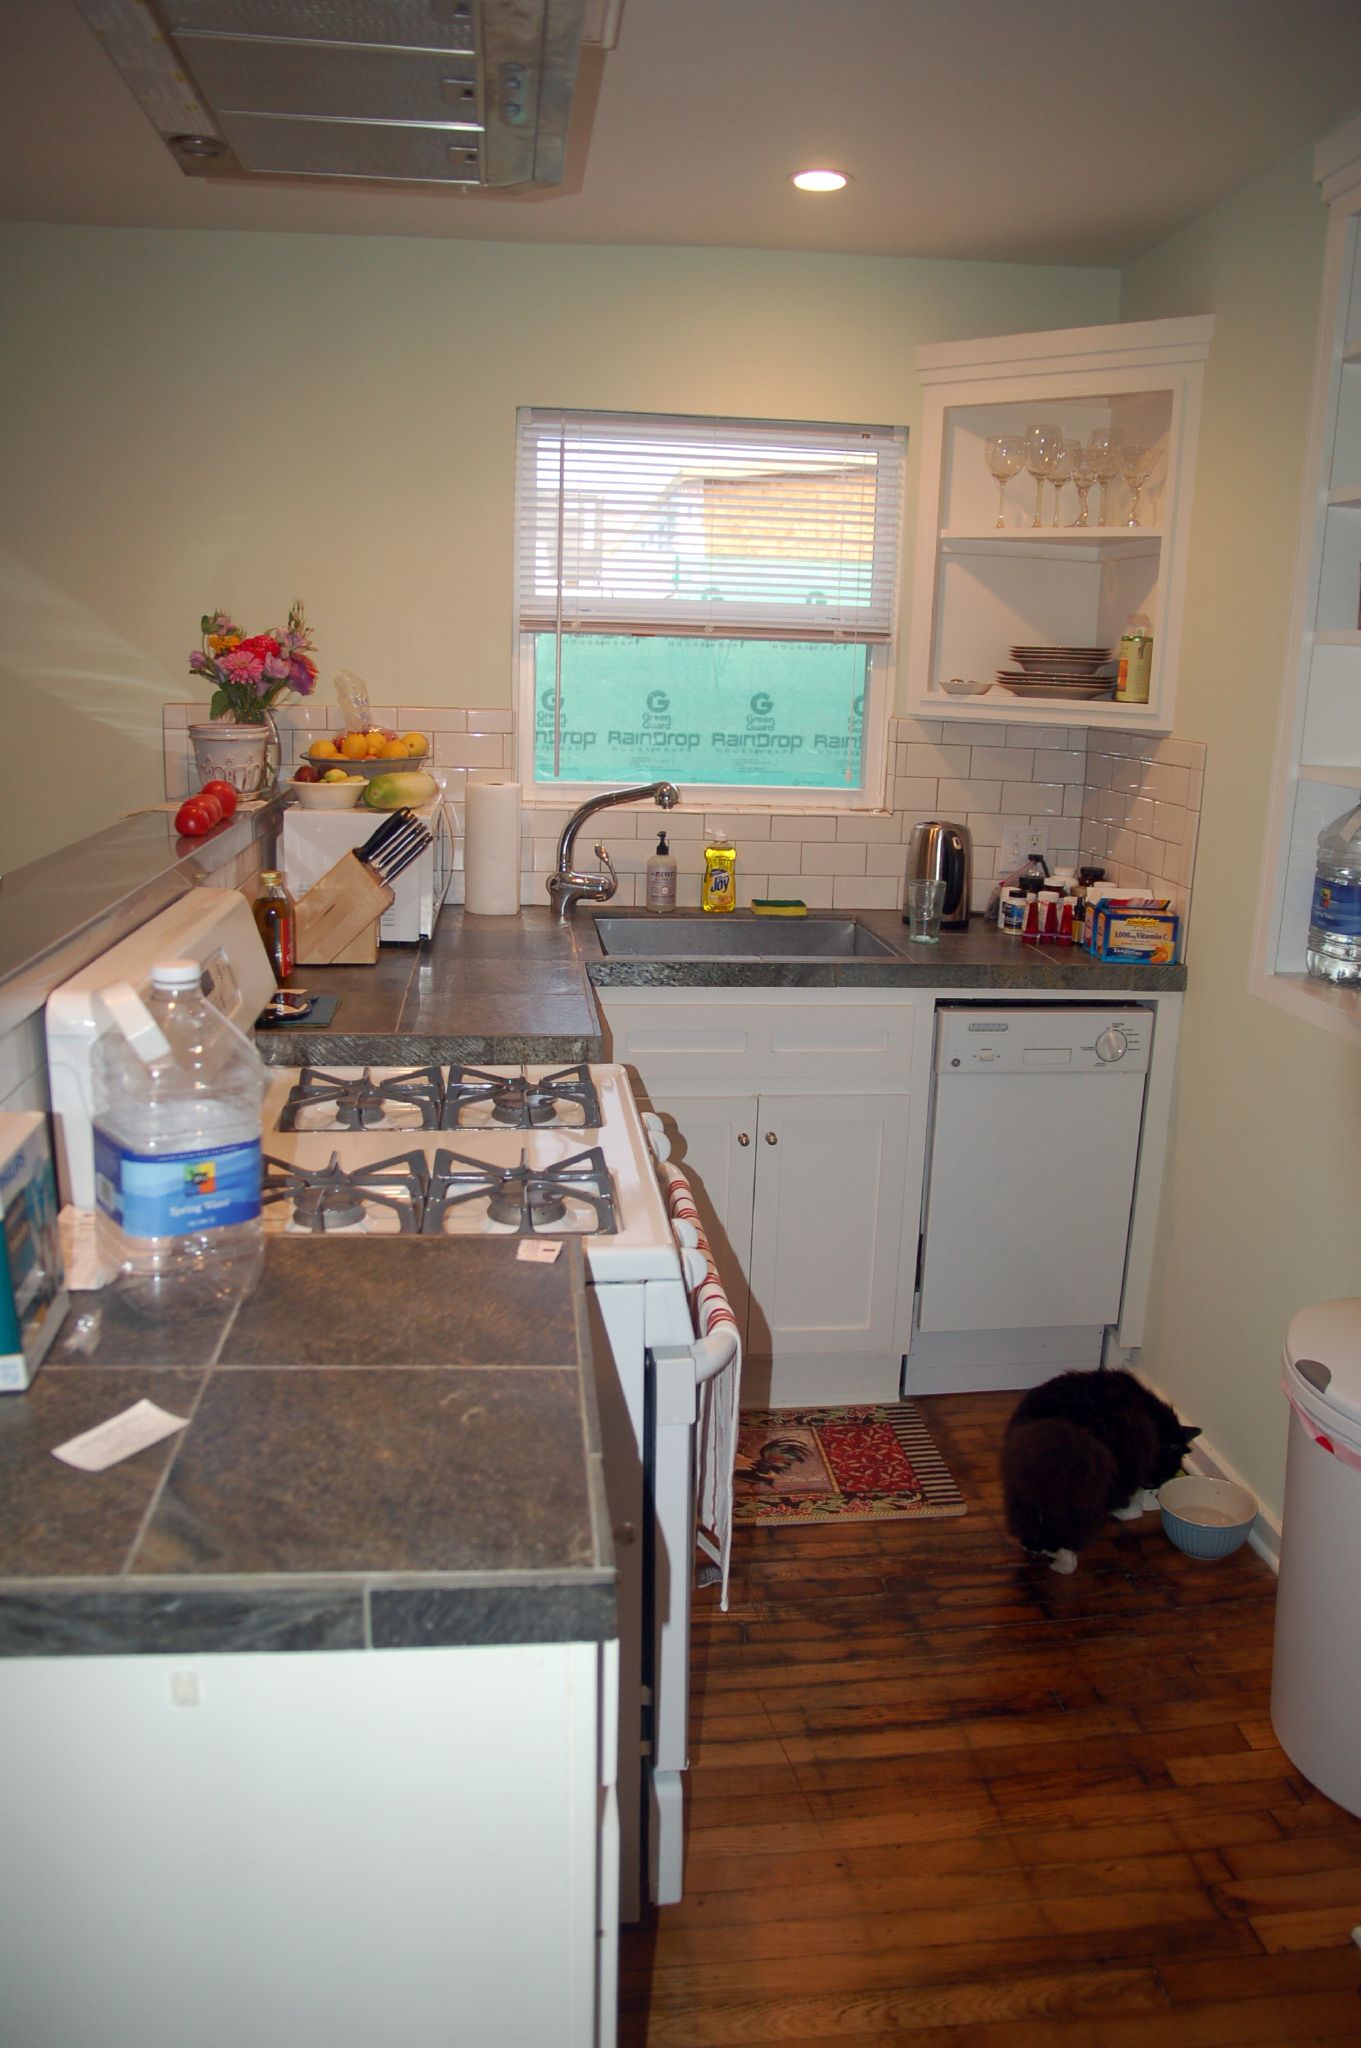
column 1149, row 1498
column 1130, row 1512
column 1064, row 1561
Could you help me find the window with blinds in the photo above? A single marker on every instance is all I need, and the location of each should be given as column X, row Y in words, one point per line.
column 710, row 600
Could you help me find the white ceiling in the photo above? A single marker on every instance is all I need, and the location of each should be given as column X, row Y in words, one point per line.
column 1052, row 131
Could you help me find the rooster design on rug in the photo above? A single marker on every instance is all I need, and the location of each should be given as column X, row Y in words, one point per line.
column 776, row 1455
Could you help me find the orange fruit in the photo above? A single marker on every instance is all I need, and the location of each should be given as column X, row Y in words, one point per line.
column 394, row 751
column 355, row 746
column 413, row 742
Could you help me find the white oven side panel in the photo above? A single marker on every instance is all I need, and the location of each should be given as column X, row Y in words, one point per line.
column 618, row 1338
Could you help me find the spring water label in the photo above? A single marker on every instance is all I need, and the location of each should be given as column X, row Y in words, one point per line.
column 175, row 1194
column 1337, row 908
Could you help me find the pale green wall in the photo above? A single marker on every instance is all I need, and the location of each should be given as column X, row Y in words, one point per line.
column 1263, row 1192
column 194, row 420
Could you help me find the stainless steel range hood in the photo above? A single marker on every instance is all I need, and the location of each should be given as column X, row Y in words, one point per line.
column 449, row 92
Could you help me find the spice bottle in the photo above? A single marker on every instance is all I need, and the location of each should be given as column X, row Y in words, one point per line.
column 661, row 877
column 720, row 878
column 1136, row 660
column 276, row 923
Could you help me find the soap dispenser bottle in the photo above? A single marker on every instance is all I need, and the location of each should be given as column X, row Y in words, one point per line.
column 661, row 877
column 719, row 891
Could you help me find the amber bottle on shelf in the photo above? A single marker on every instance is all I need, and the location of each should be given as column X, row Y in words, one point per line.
column 276, row 921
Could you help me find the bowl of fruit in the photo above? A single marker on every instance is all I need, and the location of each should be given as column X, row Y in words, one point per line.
column 333, row 789
column 376, row 750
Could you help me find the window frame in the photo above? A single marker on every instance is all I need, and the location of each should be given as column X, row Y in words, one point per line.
column 871, row 793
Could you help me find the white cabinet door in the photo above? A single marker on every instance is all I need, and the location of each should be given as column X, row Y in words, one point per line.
column 827, row 1231
column 713, row 1142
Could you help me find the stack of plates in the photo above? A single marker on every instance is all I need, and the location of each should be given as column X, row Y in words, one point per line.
column 1058, row 672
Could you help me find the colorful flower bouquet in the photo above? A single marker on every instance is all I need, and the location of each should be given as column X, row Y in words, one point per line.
column 249, row 674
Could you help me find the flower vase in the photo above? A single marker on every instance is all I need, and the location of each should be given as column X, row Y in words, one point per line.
column 247, row 756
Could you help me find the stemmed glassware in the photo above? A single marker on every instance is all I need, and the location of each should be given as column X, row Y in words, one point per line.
column 1005, row 455
column 1103, row 445
column 1042, row 445
column 1080, row 466
column 1136, row 466
column 1060, row 470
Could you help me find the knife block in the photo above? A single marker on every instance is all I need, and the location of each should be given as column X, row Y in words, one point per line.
column 338, row 917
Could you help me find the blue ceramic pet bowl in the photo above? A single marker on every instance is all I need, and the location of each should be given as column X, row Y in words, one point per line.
column 1206, row 1517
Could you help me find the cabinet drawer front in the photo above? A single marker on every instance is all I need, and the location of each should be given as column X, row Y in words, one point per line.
column 863, row 1039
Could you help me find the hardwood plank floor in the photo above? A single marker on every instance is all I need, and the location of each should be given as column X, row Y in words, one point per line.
column 942, row 1796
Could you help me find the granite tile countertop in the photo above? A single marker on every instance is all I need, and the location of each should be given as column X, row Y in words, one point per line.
column 392, row 1443
column 498, row 990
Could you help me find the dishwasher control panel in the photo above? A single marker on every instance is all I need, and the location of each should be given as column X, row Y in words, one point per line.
column 1026, row 1038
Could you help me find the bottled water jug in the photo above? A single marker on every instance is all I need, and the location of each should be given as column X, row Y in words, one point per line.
column 1333, row 949
column 178, row 1092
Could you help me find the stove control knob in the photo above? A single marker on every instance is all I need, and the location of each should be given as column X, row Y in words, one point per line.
column 1112, row 1044
column 771, row 1138
column 744, row 1137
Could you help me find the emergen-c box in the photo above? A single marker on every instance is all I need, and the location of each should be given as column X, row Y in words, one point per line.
column 33, row 1297
column 1120, row 932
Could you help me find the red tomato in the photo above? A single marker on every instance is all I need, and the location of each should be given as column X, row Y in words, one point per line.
column 197, row 815
column 224, row 793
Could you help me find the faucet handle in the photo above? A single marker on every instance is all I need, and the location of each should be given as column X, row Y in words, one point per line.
column 607, row 865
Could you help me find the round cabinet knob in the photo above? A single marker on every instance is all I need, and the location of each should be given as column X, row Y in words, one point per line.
column 1112, row 1044
column 771, row 1138
column 744, row 1137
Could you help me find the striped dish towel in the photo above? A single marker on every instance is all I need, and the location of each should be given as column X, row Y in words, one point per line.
column 718, row 1356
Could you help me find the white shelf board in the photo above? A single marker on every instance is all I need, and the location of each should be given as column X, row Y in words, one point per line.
column 1124, row 540
column 1322, row 1002
column 1350, row 496
column 1337, row 639
column 1340, row 775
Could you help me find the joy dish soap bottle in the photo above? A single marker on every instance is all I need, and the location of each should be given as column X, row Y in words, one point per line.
column 720, row 878
column 661, row 877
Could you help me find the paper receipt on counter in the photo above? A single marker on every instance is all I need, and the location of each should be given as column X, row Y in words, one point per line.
column 122, row 1436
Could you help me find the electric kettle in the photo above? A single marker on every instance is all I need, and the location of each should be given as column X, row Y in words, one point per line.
column 941, row 852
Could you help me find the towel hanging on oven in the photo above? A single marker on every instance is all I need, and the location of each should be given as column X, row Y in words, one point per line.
column 718, row 1356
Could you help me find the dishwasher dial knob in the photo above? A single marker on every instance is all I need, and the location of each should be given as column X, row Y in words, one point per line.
column 1112, row 1044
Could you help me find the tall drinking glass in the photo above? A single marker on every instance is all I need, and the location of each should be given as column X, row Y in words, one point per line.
column 1041, row 444
column 1083, row 475
column 1136, row 466
column 1005, row 455
column 1103, row 444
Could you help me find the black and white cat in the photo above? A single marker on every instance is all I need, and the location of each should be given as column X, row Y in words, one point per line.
column 1079, row 1448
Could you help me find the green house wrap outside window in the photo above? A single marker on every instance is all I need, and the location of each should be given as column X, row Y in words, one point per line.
column 708, row 600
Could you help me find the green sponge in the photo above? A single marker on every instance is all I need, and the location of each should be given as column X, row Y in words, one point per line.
column 779, row 906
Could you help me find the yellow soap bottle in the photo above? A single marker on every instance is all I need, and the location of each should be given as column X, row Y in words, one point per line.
column 720, row 878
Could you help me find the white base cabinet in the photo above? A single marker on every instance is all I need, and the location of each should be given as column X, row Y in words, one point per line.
column 795, row 1116
column 328, row 1849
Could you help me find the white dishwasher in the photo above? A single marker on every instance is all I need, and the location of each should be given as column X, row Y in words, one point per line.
column 1036, row 1115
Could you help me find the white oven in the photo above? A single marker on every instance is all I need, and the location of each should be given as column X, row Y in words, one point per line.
column 311, row 843
column 532, row 1151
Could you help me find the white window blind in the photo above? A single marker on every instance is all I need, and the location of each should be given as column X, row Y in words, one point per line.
column 759, row 529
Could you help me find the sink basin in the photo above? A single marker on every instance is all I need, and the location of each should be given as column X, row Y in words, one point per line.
column 739, row 938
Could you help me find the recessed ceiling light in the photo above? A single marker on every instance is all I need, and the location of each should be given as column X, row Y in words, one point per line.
column 820, row 181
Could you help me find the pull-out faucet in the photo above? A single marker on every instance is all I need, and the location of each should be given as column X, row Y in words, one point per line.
column 565, row 885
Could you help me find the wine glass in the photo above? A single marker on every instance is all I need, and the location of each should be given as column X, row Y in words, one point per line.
column 1104, row 446
column 1080, row 461
column 1136, row 466
column 1060, row 470
column 1005, row 455
column 1040, row 445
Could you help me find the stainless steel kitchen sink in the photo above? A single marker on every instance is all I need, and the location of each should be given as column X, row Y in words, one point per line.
column 735, row 937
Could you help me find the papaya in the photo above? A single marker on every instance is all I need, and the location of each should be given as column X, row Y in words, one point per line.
column 403, row 788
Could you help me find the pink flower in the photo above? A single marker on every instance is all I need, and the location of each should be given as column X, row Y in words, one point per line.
column 242, row 666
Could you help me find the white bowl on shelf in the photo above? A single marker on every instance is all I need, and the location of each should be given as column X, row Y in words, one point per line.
column 329, row 796
column 956, row 686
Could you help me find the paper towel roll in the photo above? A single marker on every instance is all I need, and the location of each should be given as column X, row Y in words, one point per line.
column 491, row 849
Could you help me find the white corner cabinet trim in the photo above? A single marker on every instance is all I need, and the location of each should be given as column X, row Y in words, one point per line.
column 1316, row 774
column 978, row 589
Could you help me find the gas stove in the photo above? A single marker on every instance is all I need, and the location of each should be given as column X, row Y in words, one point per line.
column 459, row 1151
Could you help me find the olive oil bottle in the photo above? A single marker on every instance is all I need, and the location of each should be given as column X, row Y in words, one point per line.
column 720, row 878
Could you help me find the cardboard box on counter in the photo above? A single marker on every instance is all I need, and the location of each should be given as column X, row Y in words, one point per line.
column 33, row 1296
column 1123, row 932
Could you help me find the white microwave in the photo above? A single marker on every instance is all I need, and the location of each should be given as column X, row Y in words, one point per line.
column 313, row 841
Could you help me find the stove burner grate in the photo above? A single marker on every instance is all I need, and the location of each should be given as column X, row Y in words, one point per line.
column 516, row 1102
column 528, row 1199
column 364, row 1102
column 327, row 1198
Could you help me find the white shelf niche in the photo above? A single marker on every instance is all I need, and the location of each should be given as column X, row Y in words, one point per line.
column 1316, row 775
column 979, row 589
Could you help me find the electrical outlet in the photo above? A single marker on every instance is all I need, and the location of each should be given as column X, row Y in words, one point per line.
column 1021, row 842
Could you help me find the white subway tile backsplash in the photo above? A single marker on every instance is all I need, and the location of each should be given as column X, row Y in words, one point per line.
column 871, row 827
column 815, row 826
column 954, row 796
column 834, row 858
column 1013, row 764
column 933, row 760
column 860, row 892
column 814, row 890
column 915, row 796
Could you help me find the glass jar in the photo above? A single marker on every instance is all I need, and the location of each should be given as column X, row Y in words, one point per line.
column 276, row 922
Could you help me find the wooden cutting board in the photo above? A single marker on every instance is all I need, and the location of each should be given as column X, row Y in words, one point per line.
column 337, row 918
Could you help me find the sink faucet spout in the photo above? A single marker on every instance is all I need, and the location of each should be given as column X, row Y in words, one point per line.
column 566, row 886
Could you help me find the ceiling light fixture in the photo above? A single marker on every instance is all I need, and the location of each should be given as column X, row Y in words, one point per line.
column 819, row 181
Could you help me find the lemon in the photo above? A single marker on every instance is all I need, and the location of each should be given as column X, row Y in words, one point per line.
column 414, row 742
column 394, row 751
column 354, row 746
column 323, row 750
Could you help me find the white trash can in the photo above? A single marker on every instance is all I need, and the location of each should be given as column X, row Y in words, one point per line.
column 1316, row 1667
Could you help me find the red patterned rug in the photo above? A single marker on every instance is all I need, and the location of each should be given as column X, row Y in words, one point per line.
column 856, row 1464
